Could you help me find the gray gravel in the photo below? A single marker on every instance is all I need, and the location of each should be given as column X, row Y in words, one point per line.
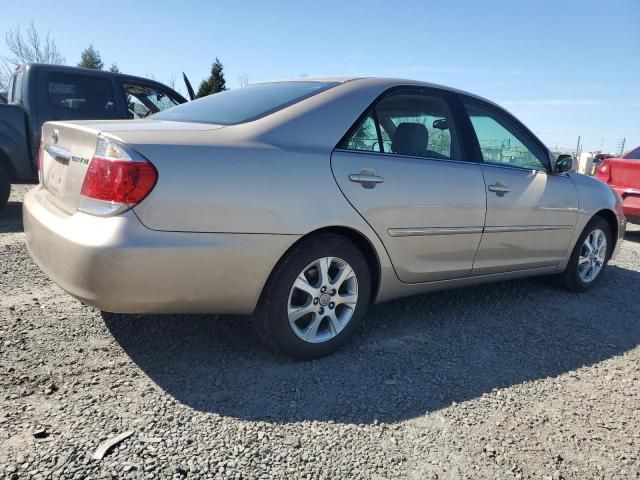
column 511, row 380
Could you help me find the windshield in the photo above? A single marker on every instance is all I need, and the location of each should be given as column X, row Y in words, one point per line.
column 244, row 104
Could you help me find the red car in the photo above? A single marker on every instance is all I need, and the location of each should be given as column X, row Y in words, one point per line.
column 623, row 176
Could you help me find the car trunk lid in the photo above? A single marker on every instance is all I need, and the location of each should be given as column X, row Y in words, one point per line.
column 68, row 147
column 65, row 151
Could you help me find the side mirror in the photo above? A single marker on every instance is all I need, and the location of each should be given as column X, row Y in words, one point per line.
column 565, row 163
column 441, row 124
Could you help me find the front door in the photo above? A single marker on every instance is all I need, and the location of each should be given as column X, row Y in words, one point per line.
column 531, row 213
column 402, row 168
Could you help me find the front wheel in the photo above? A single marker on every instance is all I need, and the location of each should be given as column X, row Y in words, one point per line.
column 589, row 257
column 316, row 297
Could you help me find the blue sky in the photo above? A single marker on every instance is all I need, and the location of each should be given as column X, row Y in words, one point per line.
column 564, row 67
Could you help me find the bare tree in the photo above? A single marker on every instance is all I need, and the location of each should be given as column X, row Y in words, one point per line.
column 172, row 81
column 27, row 47
column 243, row 80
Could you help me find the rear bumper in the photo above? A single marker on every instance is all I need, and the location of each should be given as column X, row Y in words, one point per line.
column 116, row 264
column 630, row 202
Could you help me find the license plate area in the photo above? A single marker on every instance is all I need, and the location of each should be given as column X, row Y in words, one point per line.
column 58, row 168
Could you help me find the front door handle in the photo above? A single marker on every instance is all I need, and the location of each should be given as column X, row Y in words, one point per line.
column 367, row 178
column 499, row 188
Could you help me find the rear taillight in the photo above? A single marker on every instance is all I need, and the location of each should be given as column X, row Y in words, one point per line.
column 117, row 179
column 604, row 171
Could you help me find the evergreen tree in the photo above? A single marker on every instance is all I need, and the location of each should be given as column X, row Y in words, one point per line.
column 90, row 58
column 114, row 68
column 215, row 83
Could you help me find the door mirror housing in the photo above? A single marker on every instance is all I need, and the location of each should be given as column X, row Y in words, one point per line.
column 565, row 163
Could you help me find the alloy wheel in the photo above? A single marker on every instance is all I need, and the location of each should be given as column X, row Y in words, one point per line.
column 322, row 299
column 592, row 256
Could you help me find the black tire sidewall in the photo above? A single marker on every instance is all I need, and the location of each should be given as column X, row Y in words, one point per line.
column 572, row 275
column 5, row 186
column 274, row 308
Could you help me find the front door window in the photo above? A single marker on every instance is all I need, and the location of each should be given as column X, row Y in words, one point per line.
column 143, row 100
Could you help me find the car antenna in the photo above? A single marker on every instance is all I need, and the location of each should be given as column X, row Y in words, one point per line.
column 192, row 94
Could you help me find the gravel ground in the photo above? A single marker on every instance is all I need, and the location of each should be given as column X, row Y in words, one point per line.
column 511, row 380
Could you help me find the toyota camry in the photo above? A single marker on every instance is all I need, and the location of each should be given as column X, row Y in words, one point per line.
column 303, row 202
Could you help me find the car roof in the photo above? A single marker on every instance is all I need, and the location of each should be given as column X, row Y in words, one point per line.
column 385, row 82
column 33, row 67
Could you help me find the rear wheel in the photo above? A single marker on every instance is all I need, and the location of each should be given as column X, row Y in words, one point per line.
column 5, row 186
column 316, row 297
column 589, row 257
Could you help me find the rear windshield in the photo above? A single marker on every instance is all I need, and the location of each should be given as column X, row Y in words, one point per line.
column 243, row 104
column 633, row 155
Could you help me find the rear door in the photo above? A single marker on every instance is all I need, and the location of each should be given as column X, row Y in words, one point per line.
column 531, row 213
column 402, row 166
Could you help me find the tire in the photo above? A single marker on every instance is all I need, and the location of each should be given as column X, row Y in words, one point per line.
column 5, row 186
column 333, row 314
column 571, row 278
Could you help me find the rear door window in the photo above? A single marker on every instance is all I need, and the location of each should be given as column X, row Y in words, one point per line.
column 409, row 122
column 144, row 100
column 81, row 97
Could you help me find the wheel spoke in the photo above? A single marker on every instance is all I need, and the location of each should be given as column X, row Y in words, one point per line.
column 312, row 329
column 334, row 323
column 302, row 283
column 587, row 273
column 583, row 260
column 345, row 274
column 323, row 268
column 588, row 244
column 296, row 314
column 350, row 299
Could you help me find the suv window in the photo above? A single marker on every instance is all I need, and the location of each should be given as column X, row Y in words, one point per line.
column 502, row 141
column 144, row 100
column 79, row 94
column 411, row 123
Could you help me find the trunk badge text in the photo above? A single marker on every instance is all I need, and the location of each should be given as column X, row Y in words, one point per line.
column 83, row 161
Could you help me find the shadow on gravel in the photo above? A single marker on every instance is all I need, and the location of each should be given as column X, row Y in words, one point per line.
column 413, row 356
column 11, row 218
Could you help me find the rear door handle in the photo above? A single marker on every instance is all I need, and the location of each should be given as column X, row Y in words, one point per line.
column 366, row 178
column 499, row 188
